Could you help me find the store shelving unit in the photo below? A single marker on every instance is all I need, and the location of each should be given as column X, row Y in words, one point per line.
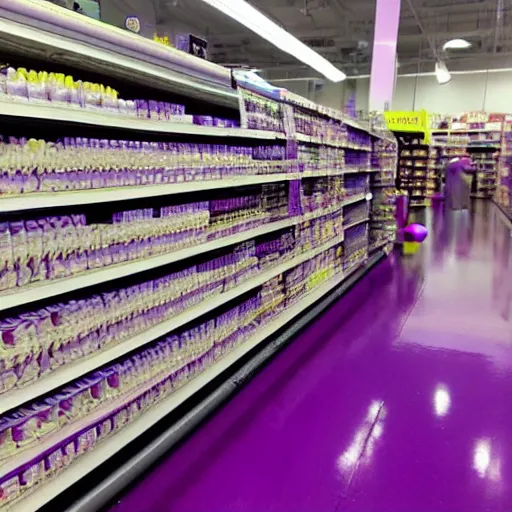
column 382, row 185
column 486, row 161
column 414, row 178
column 106, row 450
column 89, row 351
column 503, row 194
column 478, row 136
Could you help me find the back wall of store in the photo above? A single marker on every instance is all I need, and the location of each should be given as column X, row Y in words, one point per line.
column 489, row 91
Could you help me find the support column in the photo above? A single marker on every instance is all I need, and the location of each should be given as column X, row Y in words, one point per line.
column 383, row 74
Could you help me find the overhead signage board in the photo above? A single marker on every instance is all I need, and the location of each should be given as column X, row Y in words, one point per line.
column 414, row 121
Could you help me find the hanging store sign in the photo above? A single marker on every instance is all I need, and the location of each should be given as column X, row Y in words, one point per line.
column 415, row 121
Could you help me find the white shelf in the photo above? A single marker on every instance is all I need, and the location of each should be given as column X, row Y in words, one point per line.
column 37, row 201
column 461, row 130
column 314, row 140
column 382, row 136
column 382, row 185
column 359, row 171
column 341, row 172
column 50, row 112
column 78, row 197
column 297, row 100
column 321, row 174
column 75, row 370
column 354, row 199
column 106, row 449
column 379, row 244
column 356, row 223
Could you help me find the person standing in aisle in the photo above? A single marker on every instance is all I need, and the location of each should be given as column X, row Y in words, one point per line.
column 457, row 190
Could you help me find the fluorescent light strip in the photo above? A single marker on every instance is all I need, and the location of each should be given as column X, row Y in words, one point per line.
column 430, row 73
column 254, row 20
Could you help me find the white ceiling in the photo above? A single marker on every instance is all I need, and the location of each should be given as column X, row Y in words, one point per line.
column 342, row 31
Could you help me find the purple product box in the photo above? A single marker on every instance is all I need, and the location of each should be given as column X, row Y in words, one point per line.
column 142, row 109
column 154, row 110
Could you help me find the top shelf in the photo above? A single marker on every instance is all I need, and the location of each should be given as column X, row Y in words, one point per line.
column 41, row 30
column 462, row 130
column 51, row 112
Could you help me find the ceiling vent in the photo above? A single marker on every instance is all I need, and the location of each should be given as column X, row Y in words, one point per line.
column 319, row 42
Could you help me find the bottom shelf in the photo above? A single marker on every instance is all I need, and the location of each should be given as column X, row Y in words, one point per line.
column 111, row 445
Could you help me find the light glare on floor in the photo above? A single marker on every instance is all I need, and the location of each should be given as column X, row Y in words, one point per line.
column 482, row 456
column 373, row 410
column 442, row 401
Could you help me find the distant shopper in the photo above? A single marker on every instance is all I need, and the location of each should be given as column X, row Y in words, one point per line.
column 457, row 190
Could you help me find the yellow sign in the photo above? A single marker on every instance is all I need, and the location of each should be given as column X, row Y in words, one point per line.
column 162, row 40
column 410, row 248
column 406, row 121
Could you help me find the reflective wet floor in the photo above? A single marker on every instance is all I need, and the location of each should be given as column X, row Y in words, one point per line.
column 399, row 398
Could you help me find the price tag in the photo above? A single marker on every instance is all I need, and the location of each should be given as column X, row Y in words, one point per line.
column 186, row 119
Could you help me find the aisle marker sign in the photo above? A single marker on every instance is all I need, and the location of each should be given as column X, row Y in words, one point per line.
column 415, row 121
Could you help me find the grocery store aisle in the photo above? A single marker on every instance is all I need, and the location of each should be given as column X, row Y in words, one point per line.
column 399, row 398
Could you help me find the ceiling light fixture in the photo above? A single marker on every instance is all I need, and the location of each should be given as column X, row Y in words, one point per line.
column 456, row 44
column 254, row 20
column 442, row 74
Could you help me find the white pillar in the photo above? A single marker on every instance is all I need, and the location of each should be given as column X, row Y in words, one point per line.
column 383, row 73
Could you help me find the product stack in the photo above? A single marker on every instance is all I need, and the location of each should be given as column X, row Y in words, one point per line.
column 414, row 179
column 382, row 185
column 60, row 90
column 436, row 166
column 138, row 264
column 486, row 163
column 503, row 196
